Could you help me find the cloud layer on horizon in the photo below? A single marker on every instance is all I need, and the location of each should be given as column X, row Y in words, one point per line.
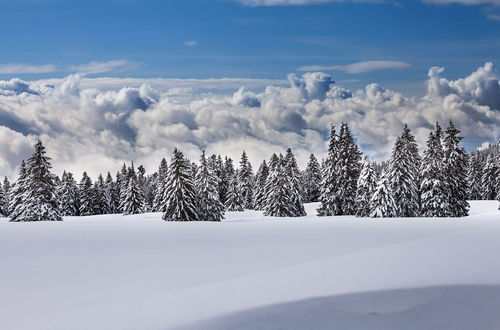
column 97, row 124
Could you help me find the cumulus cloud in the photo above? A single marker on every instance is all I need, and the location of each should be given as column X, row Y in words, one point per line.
column 359, row 67
column 97, row 124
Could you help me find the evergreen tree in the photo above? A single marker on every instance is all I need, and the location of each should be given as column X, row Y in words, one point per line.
column 86, row 196
column 234, row 200
column 260, row 194
column 312, row 180
column 329, row 198
column 100, row 205
column 3, row 203
column 246, row 181
column 455, row 169
column 434, row 198
column 180, row 197
column 474, row 179
column 6, row 192
column 209, row 206
column 68, row 195
column 110, row 195
column 278, row 202
column 223, row 179
column 403, row 175
column 160, row 186
column 122, row 184
column 349, row 167
column 17, row 196
column 293, row 176
column 489, row 179
column 382, row 204
column 133, row 202
column 367, row 183
column 39, row 196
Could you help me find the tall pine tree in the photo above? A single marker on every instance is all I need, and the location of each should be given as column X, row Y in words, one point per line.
column 209, row 206
column 293, row 176
column 367, row 183
column 329, row 198
column 312, row 180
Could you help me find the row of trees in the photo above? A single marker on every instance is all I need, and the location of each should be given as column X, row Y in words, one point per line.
column 436, row 185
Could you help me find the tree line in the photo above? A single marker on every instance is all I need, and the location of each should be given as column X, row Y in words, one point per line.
column 437, row 184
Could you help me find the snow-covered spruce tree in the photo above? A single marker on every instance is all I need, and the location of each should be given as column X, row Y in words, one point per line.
column 455, row 171
column 122, row 184
column 403, row 175
column 489, row 178
column 382, row 204
column 329, row 198
column 234, row 201
column 349, row 167
column 294, row 177
column 86, row 193
column 180, row 199
column 68, row 195
column 223, row 179
column 160, row 186
column 39, row 197
column 433, row 189
column 260, row 193
column 17, row 196
column 7, row 192
column 101, row 207
column 133, row 202
column 110, row 195
column 367, row 183
column 278, row 203
column 474, row 179
column 209, row 206
column 246, row 181
column 3, row 203
column 312, row 180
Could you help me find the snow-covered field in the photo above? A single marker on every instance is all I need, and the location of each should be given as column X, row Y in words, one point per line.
column 251, row 272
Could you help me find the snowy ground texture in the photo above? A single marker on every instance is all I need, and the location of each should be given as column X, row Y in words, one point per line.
column 251, row 272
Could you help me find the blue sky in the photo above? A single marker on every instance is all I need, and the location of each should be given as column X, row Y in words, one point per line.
column 224, row 38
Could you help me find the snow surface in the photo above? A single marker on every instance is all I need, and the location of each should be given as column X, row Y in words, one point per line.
column 252, row 272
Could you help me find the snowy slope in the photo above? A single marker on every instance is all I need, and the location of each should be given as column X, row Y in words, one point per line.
column 251, row 272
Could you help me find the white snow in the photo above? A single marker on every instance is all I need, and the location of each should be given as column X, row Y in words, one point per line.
column 139, row 272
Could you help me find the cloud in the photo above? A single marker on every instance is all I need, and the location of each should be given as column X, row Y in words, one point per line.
column 103, row 67
column 20, row 68
column 96, row 124
column 494, row 17
column 465, row 2
column 359, row 67
column 190, row 43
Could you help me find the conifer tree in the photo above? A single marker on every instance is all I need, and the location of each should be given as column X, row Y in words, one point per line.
column 110, row 195
column 160, row 186
column 39, row 196
column 209, row 206
column 474, row 179
column 68, row 195
column 349, row 167
column 246, row 181
column 260, row 194
column 382, row 204
column 329, row 198
column 455, row 171
column 122, row 184
column 278, row 202
column 86, row 196
column 433, row 190
column 100, row 205
column 180, row 197
column 223, row 179
column 133, row 202
column 7, row 192
column 293, row 175
column 403, row 175
column 234, row 200
column 489, row 179
column 367, row 183
column 312, row 180
column 3, row 203
column 17, row 196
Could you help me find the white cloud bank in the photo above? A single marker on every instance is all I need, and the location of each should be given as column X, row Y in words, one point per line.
column 96, row 124
column 359, row 67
